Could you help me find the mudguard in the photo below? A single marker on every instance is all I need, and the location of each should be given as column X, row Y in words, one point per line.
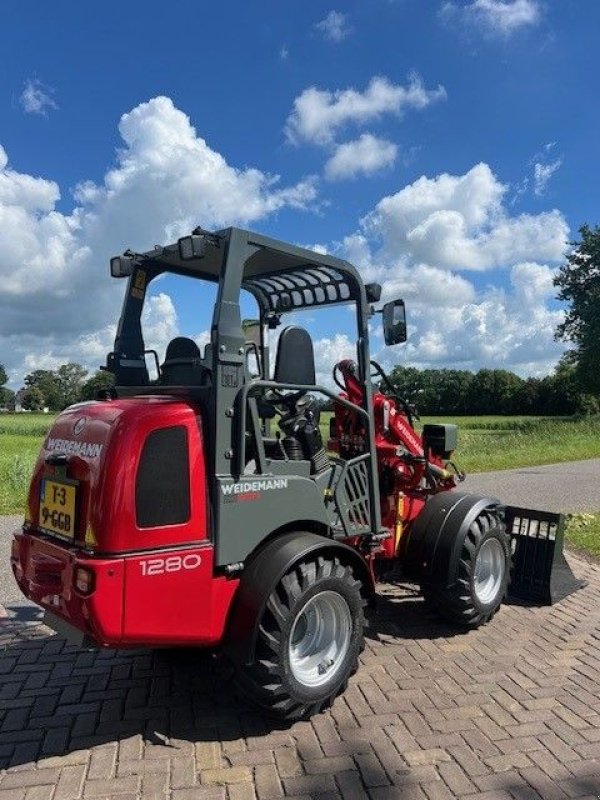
column 437, row 536
column 264, row 571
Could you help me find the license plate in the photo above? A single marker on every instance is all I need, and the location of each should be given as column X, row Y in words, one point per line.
column 58, row 502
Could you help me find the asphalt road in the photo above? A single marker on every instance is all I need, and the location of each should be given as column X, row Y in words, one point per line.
column 563, row 488
column 573, row 486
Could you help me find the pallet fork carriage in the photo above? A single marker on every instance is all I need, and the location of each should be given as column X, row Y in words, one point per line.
column 168, row 513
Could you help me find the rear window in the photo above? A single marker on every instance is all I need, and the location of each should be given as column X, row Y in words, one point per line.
column 162, row 489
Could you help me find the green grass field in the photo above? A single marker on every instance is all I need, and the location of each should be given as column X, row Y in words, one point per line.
column 21, row 436
column 485, row 443
column 491, row 443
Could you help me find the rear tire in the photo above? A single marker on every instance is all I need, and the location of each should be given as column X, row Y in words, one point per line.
column 483, row 574
column 308, row 640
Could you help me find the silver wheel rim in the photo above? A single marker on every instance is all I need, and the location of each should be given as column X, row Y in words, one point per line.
column 320, row 639
column 488, row 575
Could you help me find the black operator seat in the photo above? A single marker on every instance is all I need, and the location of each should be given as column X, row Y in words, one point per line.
column 295, row 362
column 183, row 364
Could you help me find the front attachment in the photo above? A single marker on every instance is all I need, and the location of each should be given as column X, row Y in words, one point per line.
column 540, row 573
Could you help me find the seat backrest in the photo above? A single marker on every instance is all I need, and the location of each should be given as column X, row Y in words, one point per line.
column 183, row 364
column 181, row 347
column 295, row 362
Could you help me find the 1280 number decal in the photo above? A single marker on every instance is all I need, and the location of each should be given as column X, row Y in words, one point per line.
column 159, row 566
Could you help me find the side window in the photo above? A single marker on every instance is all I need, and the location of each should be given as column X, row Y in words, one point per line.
column 162, row 488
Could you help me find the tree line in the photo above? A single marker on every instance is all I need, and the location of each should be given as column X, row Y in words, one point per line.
column 54, row 389
column 493, row 391
column 434, row 391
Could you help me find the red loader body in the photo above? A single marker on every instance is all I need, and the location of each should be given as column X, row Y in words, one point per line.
column 120, row 583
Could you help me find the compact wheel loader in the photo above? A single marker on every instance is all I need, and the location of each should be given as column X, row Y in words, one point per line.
column 201, row 507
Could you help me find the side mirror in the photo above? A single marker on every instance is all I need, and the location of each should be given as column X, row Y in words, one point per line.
column 394, row 322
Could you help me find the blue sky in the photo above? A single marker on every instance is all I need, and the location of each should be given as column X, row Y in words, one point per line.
column 449, row 149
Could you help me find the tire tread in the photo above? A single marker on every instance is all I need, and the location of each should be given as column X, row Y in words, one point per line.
column 262, row 682
column 456, row 604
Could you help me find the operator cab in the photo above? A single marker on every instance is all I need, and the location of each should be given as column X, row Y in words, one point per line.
column 256, row 421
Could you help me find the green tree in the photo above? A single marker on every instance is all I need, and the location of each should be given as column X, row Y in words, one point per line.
column 33, row 399
column 99, row 381
column 560, row 393
column 69, row 379
column 6, row 395
column 45, row 381
column 59, row 388
column 493, row 391
column 446, row 391
column 407, row 380
column 579, row 286
column 528, row 397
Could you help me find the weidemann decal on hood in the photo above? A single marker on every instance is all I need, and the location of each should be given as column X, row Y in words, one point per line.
column 72, row 448
column 254, row 486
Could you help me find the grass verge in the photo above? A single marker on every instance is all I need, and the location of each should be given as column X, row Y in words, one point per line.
column 583, row 533
column 17, row 457
column 21, row 437
column 528, row 443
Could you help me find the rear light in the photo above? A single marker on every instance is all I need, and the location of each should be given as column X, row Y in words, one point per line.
column 84, row 580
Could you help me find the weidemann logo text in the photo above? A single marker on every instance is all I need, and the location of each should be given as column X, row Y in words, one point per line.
column 72, row 448
column 254, row 486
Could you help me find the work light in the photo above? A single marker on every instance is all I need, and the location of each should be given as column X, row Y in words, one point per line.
column 121, row 266
column 191, row 247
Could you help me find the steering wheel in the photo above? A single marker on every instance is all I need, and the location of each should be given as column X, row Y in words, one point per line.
column 288, row 403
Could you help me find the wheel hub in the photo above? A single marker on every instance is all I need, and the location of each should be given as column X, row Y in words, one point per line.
column 488, row 573
column 320, row 639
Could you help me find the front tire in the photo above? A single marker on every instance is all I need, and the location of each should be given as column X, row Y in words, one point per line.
column 308, row 640
column 483, row 573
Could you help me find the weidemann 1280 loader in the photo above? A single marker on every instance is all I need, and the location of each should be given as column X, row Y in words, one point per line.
column 202, row 507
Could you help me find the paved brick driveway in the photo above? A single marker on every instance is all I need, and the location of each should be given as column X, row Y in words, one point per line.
column 509, row 711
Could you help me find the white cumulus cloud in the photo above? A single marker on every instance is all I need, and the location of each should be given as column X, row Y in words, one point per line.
column 37, row 98
column 159, row 322
column 499, row 17
column 328, row 351
column 460, row 222
column 420, row 244
column 334, row 27
column 364, row 156
column 318, row 114
column 56, row 295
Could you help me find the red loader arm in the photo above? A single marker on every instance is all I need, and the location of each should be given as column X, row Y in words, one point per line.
column 407, row 475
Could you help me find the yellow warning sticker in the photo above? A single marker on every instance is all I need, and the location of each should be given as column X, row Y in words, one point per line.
column 90, row 538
